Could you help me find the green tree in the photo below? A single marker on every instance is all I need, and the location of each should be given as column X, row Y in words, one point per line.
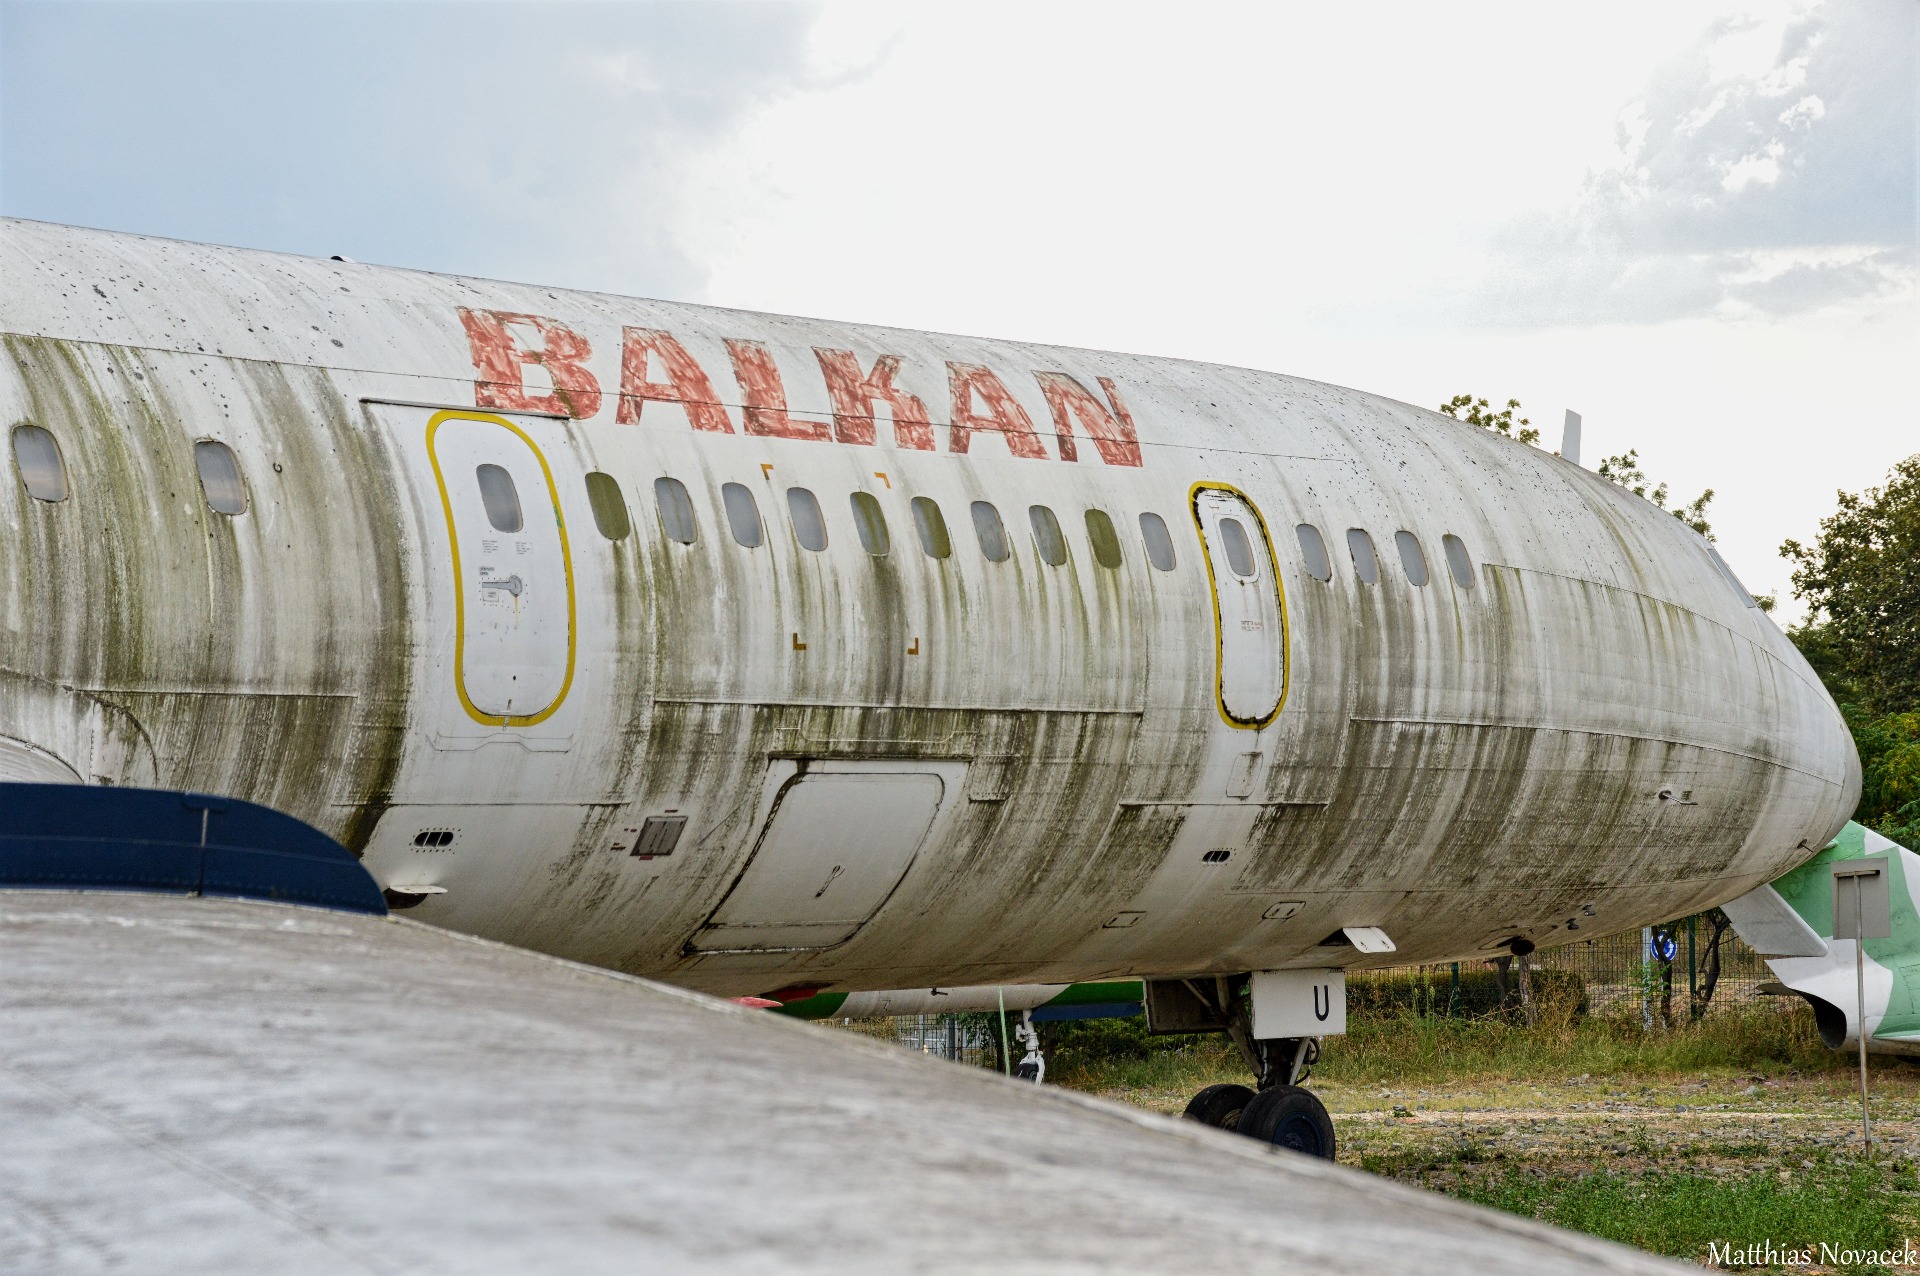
column 1501, row 422
column 1860, row 580
column 1624, row 470
column 1889, row 772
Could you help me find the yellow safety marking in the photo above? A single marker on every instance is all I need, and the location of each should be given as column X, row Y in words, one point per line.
column 766, row 469
column 1213, row 588
column 882, row 476
column 797, row 644
column 915, row 649
column 459, row 583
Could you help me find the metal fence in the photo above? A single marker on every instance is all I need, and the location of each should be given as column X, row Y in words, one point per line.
column 1629, row 974
column 1624, row 975
column 962, row 1038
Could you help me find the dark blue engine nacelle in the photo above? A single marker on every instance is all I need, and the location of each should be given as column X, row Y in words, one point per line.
column 80, row 837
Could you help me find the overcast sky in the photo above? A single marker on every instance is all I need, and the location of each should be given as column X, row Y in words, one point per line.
column 1695, row 223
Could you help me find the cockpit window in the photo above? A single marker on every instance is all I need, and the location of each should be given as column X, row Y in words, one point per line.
column 226, row 494
column 41, row 469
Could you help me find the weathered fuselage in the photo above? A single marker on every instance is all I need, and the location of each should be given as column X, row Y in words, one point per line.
column 883, row 769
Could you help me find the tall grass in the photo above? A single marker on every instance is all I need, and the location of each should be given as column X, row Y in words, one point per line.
column 1400, row 1047
column 1406, row 1047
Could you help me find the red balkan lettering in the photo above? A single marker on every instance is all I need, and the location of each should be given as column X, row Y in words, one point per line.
column 685, row 385
column 854, row 395
column 1112, row 431
column 1004, row 413
column 500, row 361
column 765, row 397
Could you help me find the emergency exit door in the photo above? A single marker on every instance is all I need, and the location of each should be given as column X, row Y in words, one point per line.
column 510, row 566
column 1249, row 610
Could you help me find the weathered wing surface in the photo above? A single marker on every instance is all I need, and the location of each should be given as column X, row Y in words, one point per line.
column 200, row 1085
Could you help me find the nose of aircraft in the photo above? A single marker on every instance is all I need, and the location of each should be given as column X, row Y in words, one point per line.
column 1817, row 750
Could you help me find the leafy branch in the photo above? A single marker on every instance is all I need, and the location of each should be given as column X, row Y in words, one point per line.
column 1625, row 470
column 1480, row 413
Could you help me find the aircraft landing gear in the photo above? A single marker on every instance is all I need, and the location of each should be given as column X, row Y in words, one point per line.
column 1280, row 1111
column 1289, row 1117
column 1033, row 1066
column 1275, row 1108
column 1220, row 1106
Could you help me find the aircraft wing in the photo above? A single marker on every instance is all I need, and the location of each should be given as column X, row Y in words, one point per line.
column 213, row 1085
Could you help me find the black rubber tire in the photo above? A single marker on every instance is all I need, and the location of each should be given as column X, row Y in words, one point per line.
column 1289, row 1117
column 1219, row 1106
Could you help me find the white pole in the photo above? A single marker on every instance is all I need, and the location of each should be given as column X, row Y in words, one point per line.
column 1860, row 996
column 1646, row 977
column 1006, row 1059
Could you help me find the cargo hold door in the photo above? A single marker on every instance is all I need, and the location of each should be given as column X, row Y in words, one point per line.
column 837, row 841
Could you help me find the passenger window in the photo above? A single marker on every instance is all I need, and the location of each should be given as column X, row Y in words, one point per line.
column 743, row 515
column 1411, row 557
column 872, row 524
column 1105, row 541
column 676, row 510
column 990, row 531
column 226, row 494
column 1233, row 539
column 1314, row 550
column 932, row 526
column 809, row 527
column 1153, row 531
column 609, row 507
column 38, row 455
column 1365, row 565
column 1046, row 535
column 1458, row 562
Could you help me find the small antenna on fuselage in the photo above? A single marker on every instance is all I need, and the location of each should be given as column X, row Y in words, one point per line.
column 1570, row 437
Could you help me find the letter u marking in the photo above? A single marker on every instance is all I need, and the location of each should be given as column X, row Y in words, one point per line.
column 1322, row 1009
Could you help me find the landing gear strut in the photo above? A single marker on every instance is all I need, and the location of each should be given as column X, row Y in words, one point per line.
column 1033, row 1066
column 1276, row 1109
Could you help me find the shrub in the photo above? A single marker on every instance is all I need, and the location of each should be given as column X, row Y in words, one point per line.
column 1370, row 994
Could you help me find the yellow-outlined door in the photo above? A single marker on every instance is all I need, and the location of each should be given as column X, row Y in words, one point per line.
column 1249, row 606
column 513, row 588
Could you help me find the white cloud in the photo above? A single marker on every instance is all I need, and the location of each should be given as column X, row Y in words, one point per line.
column 1693, row 224
column 540, row 142
column 1790, row 132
